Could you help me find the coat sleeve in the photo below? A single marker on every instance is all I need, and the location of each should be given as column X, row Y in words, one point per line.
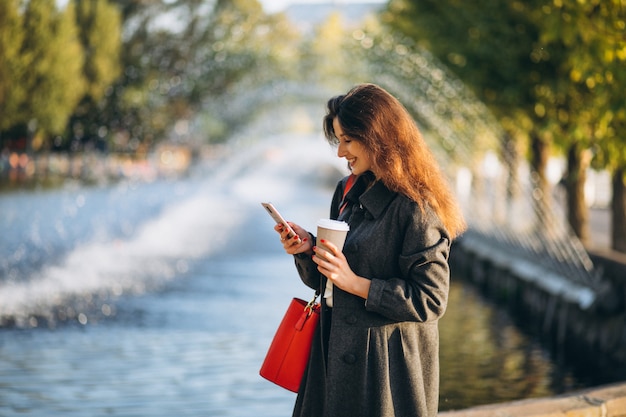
column 307, row 269
column 421, row 292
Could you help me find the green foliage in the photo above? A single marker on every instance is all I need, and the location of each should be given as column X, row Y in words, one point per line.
column 553, row 67
column 42, row 60
column 326, row 52
column 100, row 28
column 128, row 71
column 599, row 66
column 179, row 58
column 12, row 93
column 552, row 70
column 53, row 59
column 488, row 45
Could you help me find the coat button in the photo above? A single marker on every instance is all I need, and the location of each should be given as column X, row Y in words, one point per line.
column 349, row 358
column 351, row 320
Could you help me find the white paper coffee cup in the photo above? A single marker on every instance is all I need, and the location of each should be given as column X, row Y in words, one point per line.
column 334, row 231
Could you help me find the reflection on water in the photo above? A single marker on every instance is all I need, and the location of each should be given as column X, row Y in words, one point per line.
column 486, row 359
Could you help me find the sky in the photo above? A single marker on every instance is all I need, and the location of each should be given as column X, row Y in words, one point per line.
column 273, row 6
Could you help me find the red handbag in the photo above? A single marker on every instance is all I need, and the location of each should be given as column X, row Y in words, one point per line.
column 288, row 355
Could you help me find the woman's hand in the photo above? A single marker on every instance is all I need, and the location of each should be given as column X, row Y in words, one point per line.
column 333, row 265
column 300, row 243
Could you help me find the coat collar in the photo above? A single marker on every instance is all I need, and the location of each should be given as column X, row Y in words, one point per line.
column 374, row 199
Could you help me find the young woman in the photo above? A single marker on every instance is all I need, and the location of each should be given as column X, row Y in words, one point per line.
column 376, row 352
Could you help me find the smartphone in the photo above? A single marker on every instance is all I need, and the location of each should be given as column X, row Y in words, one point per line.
column 269, row 207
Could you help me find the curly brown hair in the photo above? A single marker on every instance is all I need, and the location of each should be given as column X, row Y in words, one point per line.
column 401, row 158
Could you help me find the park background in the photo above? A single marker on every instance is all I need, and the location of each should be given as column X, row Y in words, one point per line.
column 126, row 125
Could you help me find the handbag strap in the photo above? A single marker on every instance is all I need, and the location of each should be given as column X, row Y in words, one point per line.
column 311, row 304
column 349, row 184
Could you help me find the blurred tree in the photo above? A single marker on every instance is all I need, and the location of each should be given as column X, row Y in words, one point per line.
column 586, row 40
column 12, row 93
column 99, row 25
column 568, row 103
column 599, row 67
column 180, row 57
column 53, row 78
column 540, row 67
column 43, row 70
column 493, row 48
column 328, row 59
column 234, row 45
column 143, row 66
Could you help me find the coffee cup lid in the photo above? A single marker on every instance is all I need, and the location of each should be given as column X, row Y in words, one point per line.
column 333, row 224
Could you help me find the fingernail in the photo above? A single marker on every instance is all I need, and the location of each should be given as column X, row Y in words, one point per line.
column 314, row 247
column 296, row 237
column 305, row 239
column 323, row 241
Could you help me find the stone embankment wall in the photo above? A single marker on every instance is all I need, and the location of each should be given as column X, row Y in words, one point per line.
column 583, row 325
column 608, row 401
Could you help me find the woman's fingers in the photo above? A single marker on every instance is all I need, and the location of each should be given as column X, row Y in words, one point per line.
column 283, row 233
column 290, row 241
column 295, row 244
column 324, row 258
column 330, row 247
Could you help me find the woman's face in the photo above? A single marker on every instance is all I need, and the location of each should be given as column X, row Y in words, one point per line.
column 355, row 153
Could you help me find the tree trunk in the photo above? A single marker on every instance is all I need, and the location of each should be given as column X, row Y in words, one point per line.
column 541, row 192
column 618, row 211
column 577, row 212
column 511, row 160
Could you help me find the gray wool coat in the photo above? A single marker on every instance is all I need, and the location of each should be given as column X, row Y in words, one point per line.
column 379, row 357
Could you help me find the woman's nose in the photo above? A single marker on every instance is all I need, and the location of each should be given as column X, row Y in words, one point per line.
column 341, row 152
